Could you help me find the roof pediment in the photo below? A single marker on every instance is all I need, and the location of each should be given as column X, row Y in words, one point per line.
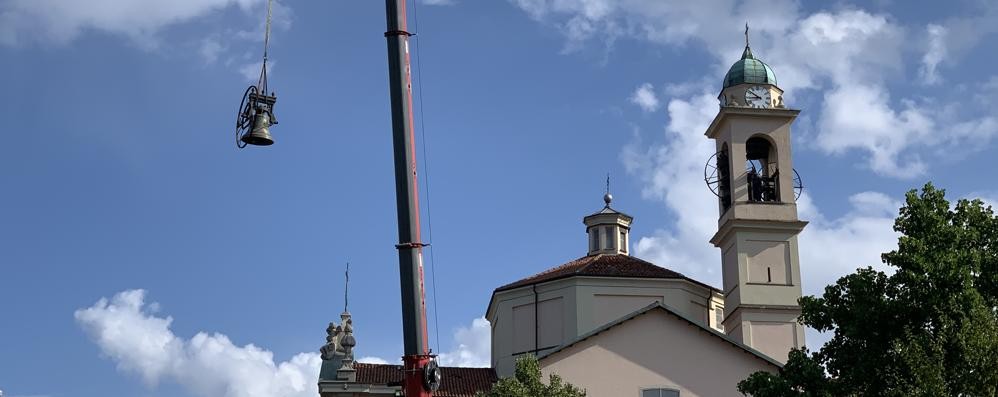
column 671, row 313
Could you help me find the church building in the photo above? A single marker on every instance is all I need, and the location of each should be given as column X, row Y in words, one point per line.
column 617, row 325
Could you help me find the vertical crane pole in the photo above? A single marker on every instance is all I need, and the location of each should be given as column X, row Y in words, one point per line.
column 410, row 248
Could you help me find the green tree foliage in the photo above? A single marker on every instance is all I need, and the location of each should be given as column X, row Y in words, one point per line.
column 928, row 329
column 526, row 382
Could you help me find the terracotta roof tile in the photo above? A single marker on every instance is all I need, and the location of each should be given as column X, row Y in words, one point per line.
column 457, row 381
column 602, row 265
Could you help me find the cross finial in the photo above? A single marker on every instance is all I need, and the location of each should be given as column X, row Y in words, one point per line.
column 746, row 34
column 346, row 289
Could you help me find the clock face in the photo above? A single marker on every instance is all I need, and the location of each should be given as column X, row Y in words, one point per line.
column 758, row 97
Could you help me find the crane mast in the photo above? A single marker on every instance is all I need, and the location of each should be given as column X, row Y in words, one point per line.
column 421, row 375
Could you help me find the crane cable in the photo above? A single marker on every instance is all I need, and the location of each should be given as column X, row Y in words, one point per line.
column 426, row 173
column 262, row 83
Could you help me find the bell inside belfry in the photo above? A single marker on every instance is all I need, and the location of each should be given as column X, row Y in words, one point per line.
column 260, row 134
column 761, row 173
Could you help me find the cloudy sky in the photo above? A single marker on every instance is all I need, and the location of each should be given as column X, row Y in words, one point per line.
column 142, row 254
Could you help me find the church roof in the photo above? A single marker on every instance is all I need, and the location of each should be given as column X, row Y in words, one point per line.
column 601, row 265
column 749, row 70
column 659, row 306
column 456, row 381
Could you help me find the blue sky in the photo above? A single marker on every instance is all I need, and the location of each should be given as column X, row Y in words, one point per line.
column 142, row 254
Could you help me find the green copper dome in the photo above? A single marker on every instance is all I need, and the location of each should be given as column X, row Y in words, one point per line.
column 749, row 70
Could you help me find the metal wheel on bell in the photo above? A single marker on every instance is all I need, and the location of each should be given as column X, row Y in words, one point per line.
column 711, row 176
column 244, row 119
column 798, row 185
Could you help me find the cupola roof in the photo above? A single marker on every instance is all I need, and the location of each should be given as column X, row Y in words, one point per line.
column 749, row 69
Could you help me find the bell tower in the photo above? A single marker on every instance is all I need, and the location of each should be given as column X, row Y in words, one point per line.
column 753, row 176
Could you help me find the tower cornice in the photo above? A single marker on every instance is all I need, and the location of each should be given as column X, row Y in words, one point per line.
column 750, row 225
column 732, row 111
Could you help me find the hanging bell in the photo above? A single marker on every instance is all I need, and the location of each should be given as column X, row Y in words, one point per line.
column 260, row 134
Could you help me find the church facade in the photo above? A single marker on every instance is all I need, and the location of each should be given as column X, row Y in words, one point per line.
column 617, row 325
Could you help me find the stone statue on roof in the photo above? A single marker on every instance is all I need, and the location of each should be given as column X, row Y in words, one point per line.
column 337, row 353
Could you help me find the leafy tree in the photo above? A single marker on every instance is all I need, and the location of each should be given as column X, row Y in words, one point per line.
column 928, row 329
column 526, row 382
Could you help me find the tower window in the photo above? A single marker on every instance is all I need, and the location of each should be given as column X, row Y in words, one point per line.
column 659, row 393
column 594, row 239
column 623, row 241
column 609, row 238
column 760, row 170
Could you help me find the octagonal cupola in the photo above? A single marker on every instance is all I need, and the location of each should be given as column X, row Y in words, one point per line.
column 608, row 229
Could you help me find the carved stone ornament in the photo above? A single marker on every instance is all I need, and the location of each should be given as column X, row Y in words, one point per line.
column 333, row 335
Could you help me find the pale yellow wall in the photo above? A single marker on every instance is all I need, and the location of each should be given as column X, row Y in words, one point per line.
column 575, row 306
column 604, row 300
column 654, row 350
column 770, row 330
column 511, row 316
column 758, row 241
column 607, row 308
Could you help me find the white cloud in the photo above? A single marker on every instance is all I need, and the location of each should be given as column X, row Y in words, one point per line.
column 673, row 172
column 140, row 342
column 474, row 346
column 59, row 21
column 858, row 117
column 372, row 360
column 989, row 198
column 849, row 55
column 864, row 232
column 206, row 364
column 858, row 238
column 934, row 54
column 210, row 49
column 644, row 96
column 962, row 34
column 251, row 71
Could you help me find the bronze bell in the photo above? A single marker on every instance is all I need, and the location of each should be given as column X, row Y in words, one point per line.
column 260, row 134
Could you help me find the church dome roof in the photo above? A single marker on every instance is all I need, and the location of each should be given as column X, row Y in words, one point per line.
column 601, row 265
column 749, row 70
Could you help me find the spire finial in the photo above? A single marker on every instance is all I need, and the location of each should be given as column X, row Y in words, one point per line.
column 747, row 54
column 607, row 198
column 346, row 290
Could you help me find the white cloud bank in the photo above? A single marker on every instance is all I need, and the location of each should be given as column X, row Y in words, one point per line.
column 141, row 22
column 474, row 346
column 140, row 342
column 849, row 55
column 61, row 21
column 127, row 330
